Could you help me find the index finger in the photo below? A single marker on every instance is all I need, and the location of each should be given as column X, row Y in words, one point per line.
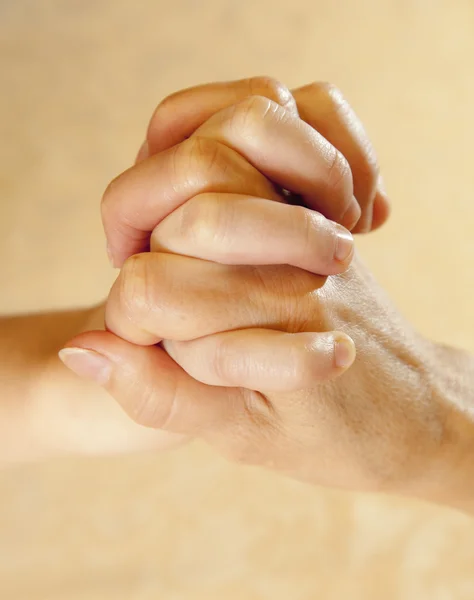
column 319, row 104
column 180, row 114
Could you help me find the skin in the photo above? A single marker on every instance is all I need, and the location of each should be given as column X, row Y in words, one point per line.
column 267, row 372
column 45, row 410
column 346, row 187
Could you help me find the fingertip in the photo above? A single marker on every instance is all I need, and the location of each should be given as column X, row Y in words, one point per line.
column 364, row 225
column 352, row 215
column 87, row 364
column 381, row 210
column 344, row 351
column 344, row 246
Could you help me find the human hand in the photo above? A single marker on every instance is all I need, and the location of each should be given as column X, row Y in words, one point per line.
column 253, row 351
column 252, row 374
column 303, row 162
column 180, row 115
column 232, row 173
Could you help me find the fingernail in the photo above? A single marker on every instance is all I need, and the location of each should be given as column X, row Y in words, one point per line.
column 87, row 364
column 344, row 352
column 344, row 245
column 352, row 215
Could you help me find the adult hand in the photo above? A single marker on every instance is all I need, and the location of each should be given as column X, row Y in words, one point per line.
column 256, row 354
column 315, row 147
column 255, row 360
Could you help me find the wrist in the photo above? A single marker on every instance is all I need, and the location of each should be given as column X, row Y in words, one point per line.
column 450, row 478
column 30, row 371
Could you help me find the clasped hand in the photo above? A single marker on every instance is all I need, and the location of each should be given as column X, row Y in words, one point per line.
column 237, row 314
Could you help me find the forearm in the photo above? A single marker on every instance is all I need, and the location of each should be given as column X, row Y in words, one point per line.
column 45, row 410
column 29, row 376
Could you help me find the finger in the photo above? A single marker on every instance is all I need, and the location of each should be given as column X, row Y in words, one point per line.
column 320, row 104
column 381, row 210
column 143, row 152
column 179, row 115
column 273, row 140
column 157, row 296
column 136, row 201
column 323, row 107
column 290, row 153
column 236, row 229
column 150, row 386
column 265, row 360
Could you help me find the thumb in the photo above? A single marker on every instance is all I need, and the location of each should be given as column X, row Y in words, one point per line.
column 150, row 386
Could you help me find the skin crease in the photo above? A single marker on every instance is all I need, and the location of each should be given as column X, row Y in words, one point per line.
column 388, row 423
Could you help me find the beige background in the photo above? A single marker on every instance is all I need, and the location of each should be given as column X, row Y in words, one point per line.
column 78, row 80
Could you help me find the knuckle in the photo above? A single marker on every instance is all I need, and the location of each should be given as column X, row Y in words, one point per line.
column 285, row 295
column 143, row 409
column 273, row 89
column 167, row 103
column 150, row 411
column 133, row 287
column 323, row 87
column 224, row 364
column 138, row 292
column 325, row 94
column 167, row 106
column 250, row 114
column 203, row 220
column 199, row 155
column 330, row 90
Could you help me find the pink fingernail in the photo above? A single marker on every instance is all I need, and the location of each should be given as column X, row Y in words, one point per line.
column 344, row 352
column 87, row 364
column 345, row 244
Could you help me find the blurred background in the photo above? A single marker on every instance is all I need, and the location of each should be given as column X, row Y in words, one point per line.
column 78, row 82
